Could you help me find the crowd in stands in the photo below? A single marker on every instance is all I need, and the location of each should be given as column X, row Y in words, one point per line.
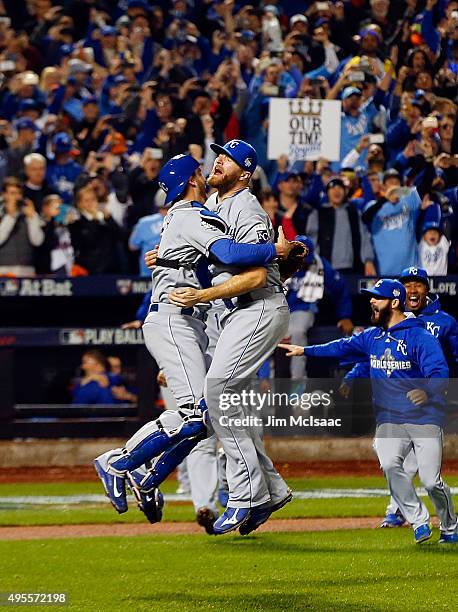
column 96, row 94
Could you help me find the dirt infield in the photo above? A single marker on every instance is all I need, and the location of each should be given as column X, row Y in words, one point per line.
column 288, row 470
column 126, row 530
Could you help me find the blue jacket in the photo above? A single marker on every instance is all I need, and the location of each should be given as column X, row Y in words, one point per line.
column 442, row 326
column 62, row 177
column 335, row 288
column 438, row 323
column 94, row 393
column 393, row 233
column 403, row 358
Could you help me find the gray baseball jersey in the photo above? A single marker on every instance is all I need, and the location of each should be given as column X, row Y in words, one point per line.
column 247, row 222
column 248, row 336
column 188, row 232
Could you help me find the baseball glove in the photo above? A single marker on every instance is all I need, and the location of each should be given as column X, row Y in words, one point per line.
column 294, row 262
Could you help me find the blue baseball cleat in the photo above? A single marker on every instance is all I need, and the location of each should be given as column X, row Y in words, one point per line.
column 115, row 486
column 448, row 538
column 422, row 533
column 151, row 503
column 259, row 516
column 393, row 520
column 231, row 519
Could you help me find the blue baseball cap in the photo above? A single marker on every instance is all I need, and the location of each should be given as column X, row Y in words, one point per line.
column 90, row 100
column 29, row 104
column 141, row 4
column 62, row 142
column 351, row 91
column 240, row 151
column 414, row 274
column 25, row 124
column 175, row 175
column 108, row 30
column 308, row 242
column 388, row 289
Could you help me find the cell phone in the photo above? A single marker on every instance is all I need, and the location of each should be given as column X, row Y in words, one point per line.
column 356, row 75
column 5, row 21
column 322, row 6
column 270, row 90
column 316, row 81
column 7, row 66
column 402, row 192
column 376, row 138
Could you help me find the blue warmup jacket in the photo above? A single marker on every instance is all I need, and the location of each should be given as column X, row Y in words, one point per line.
column 438, row 323
column 403, row 358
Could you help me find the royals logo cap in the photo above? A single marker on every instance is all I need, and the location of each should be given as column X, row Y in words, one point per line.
column 240, row 151
column 388, row 289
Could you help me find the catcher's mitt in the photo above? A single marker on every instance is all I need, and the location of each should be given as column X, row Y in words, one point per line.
column 294, row 262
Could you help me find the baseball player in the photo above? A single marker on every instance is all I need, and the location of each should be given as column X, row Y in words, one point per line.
column 442, row 326
column 409, row 376
column 175, row 336
column 201, row 479
column 251, row 327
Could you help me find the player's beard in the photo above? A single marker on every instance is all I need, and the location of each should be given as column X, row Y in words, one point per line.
column 381, row 316
column 222, row 182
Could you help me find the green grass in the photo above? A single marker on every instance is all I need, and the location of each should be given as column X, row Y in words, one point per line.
column 375, row 570
column 96, row 514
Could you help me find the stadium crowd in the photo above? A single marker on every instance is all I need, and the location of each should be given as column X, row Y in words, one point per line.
column 95, row 95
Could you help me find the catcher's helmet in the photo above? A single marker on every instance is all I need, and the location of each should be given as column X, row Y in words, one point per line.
column 175, row 174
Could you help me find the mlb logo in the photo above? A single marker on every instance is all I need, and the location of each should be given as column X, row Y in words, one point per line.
column 72, row 336
column 124, row 286
column 9, row 286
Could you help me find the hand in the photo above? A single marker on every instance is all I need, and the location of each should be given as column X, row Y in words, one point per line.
column 282, row 246
column 161, row 379
column 51, row 13
column 338, row 10
column 443, row 161
column 151, row 258
column 101, row 379
column 394, row 55
column 426, row 202
column 282, row 163
column 28, row 209
column 345, row 390
column 417, row 397
column 409, row 150
column 403, row 74
column 321, row 164
column 430, row 5
column 185, row 297
column 363, row 143
column 293, row 350
column 345, row 326
column 120, row 392
column 392, row 195
column 132, row 324
column 369, row 269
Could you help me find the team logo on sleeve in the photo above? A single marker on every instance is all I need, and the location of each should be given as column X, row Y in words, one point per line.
column 263, row 235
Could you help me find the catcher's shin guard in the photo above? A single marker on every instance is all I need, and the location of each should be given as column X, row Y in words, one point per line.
column 158, row 436
column 164, row 465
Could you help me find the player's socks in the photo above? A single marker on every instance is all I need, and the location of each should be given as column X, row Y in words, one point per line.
column 164, row 465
